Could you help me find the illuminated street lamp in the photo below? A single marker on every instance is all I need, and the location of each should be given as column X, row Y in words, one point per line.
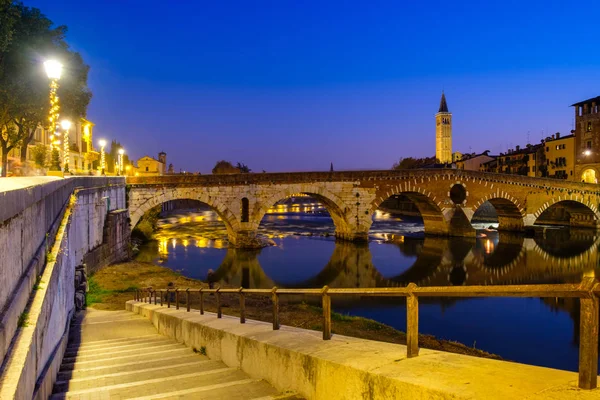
column 587, row 152
column 120, row 169
column 53, row 70
column 66, row 125
column 102, row 143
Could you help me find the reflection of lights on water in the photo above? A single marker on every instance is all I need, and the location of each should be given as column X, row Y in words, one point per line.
column 489, row 246
column 186, row 242
column 162, row 247
column 174, row 243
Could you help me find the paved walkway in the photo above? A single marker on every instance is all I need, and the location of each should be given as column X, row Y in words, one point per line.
column 119, row 355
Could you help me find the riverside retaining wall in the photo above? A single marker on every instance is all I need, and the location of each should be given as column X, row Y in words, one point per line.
column 48, row 229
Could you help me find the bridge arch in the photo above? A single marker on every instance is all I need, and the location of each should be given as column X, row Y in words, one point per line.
column 231, row 223
column 336, row 207
column 573, row 211
column 508, row 209
column 433, row 218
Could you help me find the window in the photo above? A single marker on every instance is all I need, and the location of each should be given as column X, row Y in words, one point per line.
column 589, row 144
column 547, row 148
column 245, row 209
column 589, row 126
column 146, row 169
column 534, row 168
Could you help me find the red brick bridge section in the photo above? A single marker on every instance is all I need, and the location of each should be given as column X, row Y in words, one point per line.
column 446, row 199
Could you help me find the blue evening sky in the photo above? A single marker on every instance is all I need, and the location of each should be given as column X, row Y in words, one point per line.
column 294, row 85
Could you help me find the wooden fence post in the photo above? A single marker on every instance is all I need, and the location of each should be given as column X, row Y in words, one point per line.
column 275, row 298
column 412, row 323
column 201, row 302
column 326, row 314
column 187, row 298
column 588, row 337
column 219, row 313
column 242, row 306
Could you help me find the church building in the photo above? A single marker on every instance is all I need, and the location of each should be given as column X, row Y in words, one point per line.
column 443, row 133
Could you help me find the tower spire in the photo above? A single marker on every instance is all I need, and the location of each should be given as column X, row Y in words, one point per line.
column 443, row 104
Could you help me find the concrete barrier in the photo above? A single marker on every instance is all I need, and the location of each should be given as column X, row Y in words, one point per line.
column 300, row 361
column 40, row 296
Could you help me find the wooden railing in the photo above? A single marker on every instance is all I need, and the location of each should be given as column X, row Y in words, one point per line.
column 588, row 291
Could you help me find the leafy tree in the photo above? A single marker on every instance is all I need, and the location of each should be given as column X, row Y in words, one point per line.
column 9, row 15
column 55, row 160
column 414, row 163
column 243, row 168
column 40, row 154
column 24, row 103
column 224, row 167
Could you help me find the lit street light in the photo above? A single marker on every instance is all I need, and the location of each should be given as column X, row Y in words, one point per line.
column 54, row 71
column 66, row 125
column 587, row 152
column 102, row 143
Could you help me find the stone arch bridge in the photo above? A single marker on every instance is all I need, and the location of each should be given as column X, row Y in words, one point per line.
column 446, row 199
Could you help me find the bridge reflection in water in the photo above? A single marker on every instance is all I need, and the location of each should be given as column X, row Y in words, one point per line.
column 561, row 256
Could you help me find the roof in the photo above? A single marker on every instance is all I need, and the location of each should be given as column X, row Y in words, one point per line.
column 152, row 158
column 443, row 104
column 588, row 101
column 560, row 138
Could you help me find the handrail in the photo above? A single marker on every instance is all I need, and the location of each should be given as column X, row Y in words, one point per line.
column 588, row 291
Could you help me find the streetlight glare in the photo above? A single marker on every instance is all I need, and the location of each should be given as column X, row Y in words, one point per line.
column 587, row 152
column 121, row 151
column 65, row 124
column 102, row 142
column 53, row 69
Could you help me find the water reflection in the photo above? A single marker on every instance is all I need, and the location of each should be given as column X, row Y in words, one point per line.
column 493, row 259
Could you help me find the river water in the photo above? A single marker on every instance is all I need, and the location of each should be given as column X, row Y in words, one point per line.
column 305, row 254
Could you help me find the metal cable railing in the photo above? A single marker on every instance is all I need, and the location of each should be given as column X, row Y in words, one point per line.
column 588, row 291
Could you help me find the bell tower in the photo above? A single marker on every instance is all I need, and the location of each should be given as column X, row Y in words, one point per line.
column 443, row 133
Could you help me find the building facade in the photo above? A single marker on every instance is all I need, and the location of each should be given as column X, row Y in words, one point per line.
column 148, row 166
column 472, row 162
column 560, row 156
column 443, row 133
column 527, row 161
column 587, row 140
column 83, row 158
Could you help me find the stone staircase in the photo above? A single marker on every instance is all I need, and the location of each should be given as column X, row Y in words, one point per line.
column 119, row 355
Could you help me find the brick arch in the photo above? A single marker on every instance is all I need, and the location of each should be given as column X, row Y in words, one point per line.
column 231, row 223
column 429, row 206
column 336, row 207
column 511, row 215
column 566, row 199
column 587, row 213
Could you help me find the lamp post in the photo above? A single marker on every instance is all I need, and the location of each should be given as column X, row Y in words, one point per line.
column 66, row 125
column 102, row 143
column 53, row 70
column 121, row 152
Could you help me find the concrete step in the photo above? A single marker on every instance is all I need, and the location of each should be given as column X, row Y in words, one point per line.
column 240, row 389
column 127, row 366
column 145, row 357
column 157, row 386
column 157, row 370
column 100, row 344
column 121, row 353
column 75, row 351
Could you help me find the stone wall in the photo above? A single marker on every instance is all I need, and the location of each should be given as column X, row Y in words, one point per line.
column 115, row 243
column 81, row 216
